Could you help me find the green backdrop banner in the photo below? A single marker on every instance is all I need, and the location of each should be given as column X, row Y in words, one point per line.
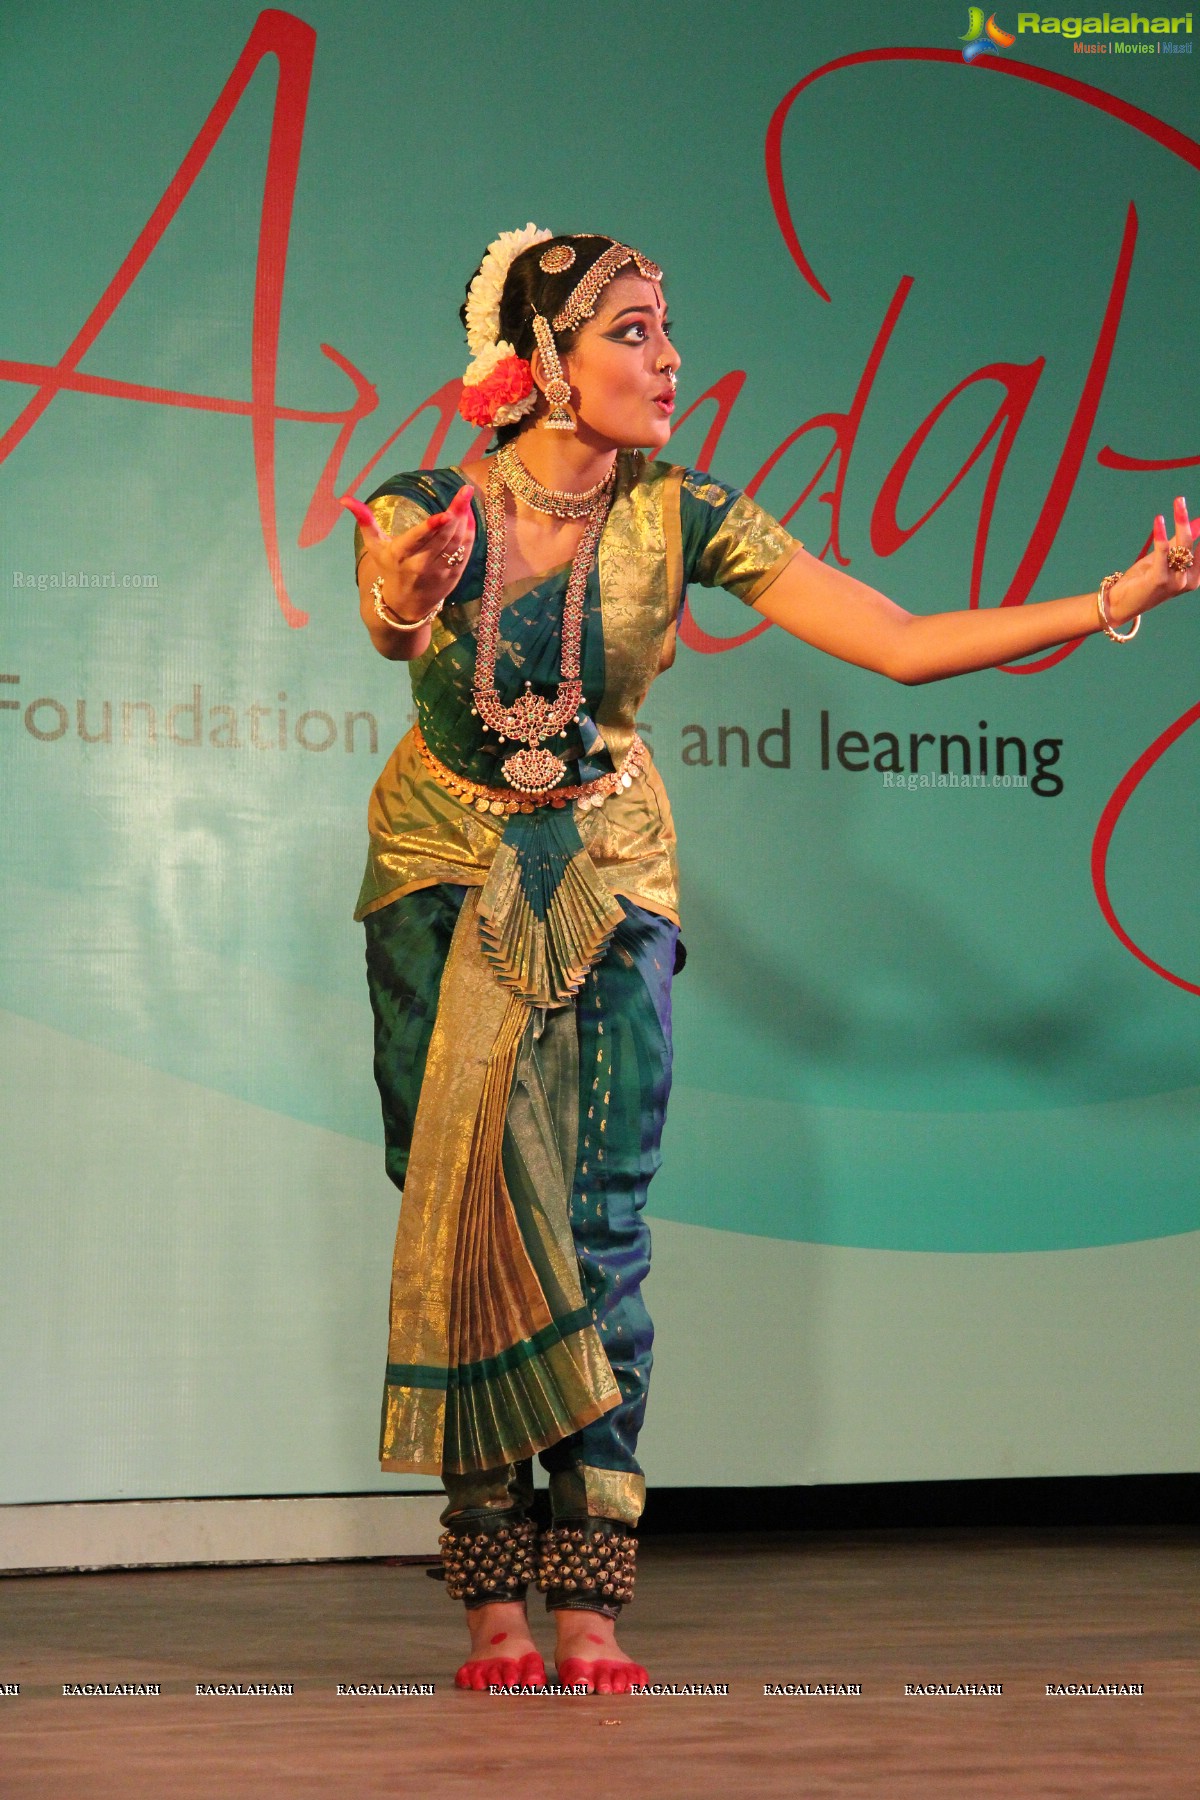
column 930, row 284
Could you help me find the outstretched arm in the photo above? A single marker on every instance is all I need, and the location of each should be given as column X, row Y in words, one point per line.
column 854, row 622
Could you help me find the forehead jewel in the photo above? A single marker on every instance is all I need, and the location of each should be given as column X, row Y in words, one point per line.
column 581, row 301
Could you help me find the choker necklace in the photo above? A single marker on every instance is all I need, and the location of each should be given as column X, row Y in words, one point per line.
column 560, row 503
column 531, row 718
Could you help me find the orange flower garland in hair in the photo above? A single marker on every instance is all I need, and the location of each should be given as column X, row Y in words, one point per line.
column 498, row 387
column 494, row 386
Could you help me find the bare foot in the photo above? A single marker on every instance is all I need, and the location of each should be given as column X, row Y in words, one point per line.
column 502, row 1652
column 587, row 1652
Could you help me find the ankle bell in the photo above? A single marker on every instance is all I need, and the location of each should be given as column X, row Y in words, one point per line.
column 587, row 1565
column 489, row 1558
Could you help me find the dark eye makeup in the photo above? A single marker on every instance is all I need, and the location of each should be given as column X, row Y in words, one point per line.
column 622, row 331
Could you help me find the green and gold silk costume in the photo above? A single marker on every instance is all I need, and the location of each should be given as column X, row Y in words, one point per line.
column 495, row 946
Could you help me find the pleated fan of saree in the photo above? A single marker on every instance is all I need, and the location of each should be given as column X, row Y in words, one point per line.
column 492, row 1353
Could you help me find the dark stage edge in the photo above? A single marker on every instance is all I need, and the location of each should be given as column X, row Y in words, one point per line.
column 1046, row 1501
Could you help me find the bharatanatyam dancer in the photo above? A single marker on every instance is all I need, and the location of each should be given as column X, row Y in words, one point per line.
column 522, row 912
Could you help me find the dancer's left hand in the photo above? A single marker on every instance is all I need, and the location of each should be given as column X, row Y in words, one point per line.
column 1151, row 580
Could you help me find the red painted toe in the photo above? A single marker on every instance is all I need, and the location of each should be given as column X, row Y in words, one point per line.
column 601, row 1676
column 575, row 1672
column 502, row 1671
column 474, row 1675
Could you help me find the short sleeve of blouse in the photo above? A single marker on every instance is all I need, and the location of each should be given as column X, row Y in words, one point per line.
column 728, row 540
column 399, row 505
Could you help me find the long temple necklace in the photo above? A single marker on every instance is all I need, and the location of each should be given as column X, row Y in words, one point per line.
column 532, row 718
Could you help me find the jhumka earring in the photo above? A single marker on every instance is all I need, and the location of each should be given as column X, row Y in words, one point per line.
column 558, row 392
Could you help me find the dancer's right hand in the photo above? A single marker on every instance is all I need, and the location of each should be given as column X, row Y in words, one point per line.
column 423, row 565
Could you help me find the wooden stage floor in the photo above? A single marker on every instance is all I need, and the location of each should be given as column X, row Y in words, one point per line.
column 1022, row 1609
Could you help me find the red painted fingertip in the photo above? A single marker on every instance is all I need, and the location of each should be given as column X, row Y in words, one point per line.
column 1160, row 530
column 1181, row 507
column 363, row 514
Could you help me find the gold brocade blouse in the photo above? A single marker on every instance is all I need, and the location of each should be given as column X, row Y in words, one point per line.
column 668, row 527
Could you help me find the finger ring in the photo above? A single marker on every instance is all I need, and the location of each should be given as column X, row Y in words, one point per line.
column 1179, row 558
column 453, row 557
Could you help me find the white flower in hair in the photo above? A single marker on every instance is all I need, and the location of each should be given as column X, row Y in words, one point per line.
column 486, row 362
column 483, row 297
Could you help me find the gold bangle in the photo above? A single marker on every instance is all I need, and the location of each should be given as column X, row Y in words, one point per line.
column 1118, row 637
column 389, row 618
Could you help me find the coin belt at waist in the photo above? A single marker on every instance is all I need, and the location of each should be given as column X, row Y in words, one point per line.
column 509, row 800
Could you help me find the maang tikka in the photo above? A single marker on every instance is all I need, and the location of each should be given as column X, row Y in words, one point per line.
column 580, row 305
column 558, row 390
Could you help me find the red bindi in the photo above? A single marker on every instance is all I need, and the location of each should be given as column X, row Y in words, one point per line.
column 593, row 1639
column 501, row 1635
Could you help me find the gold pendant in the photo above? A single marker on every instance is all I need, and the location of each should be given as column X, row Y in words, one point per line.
column 534, row 771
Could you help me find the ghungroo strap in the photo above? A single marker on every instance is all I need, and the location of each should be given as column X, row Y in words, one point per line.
column 587, row 1565
column 489, row 1556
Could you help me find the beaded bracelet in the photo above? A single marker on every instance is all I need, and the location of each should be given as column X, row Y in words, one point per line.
column 389, row 618
column 1118, row 637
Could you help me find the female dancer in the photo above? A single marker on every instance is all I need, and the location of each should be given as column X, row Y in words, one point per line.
column 521, row 908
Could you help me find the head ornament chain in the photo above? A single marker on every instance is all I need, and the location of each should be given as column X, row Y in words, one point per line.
column 580, row 303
